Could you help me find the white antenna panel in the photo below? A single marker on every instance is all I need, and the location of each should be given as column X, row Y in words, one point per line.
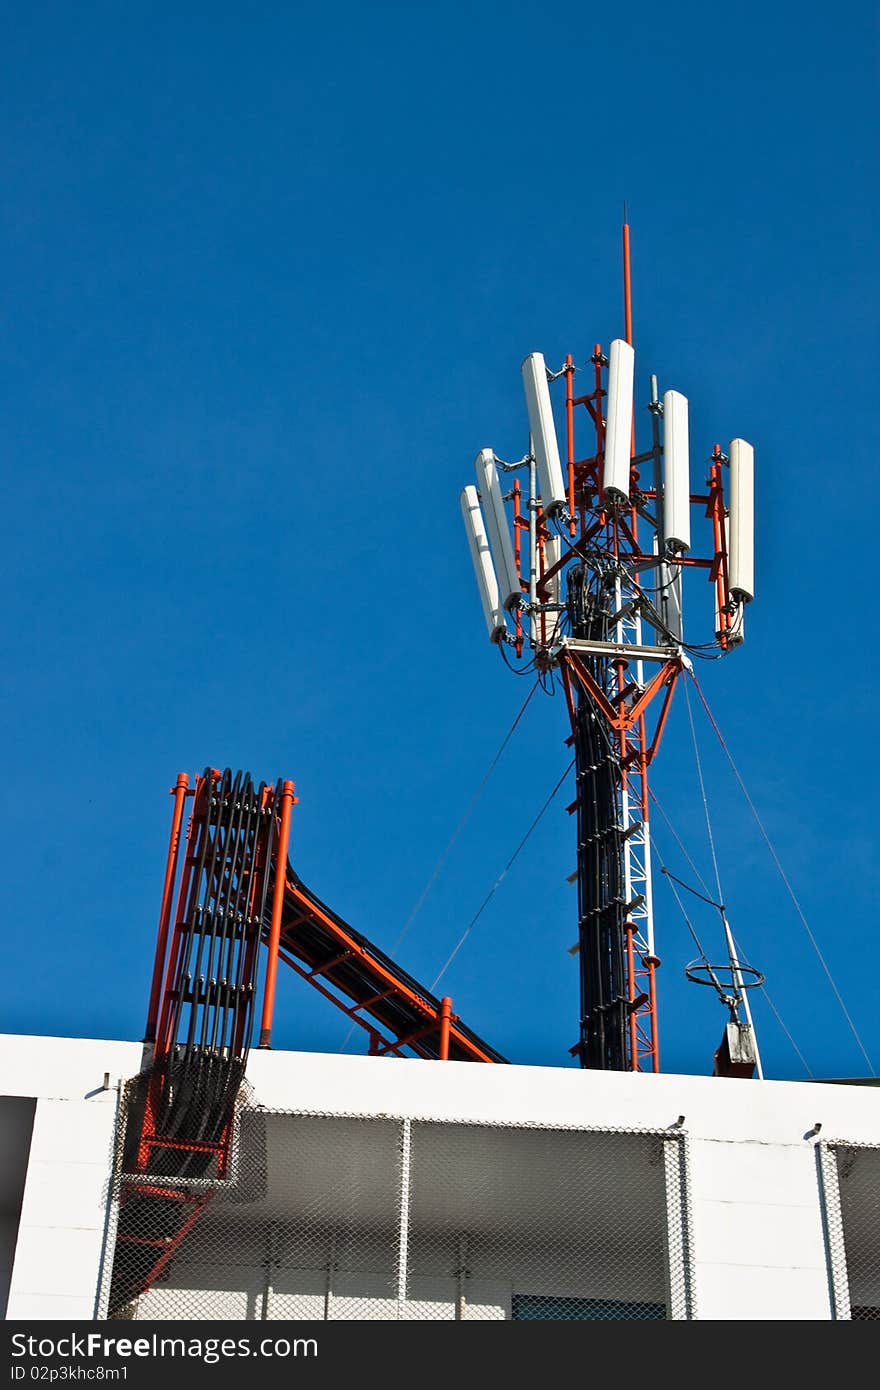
column 741, row 558
column 552, row 550
column 676, row 472
column 718, row 627
column 484, row 570
column 544, row 441
column 496, row 524
column 618, row 431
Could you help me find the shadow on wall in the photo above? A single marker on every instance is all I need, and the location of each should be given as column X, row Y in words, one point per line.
column 16, row 1128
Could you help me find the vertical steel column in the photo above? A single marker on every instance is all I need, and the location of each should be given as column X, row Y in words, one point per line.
column 269, row 1273
column 719, row 531
column 631, row 996
column 639, row 848
column 179, row 793
column 628, row 317
column 187, row 893
column 533, row 546
column 517, row 555
column 445, row 1022
column 403, row 1214
column 461, row 1277
column 679, row 1270
column 832, row 1228
column 287, row 800
column 600, row 431
column 330, row 1280
column 651, row 963
column 569, row 417
column 627, row 282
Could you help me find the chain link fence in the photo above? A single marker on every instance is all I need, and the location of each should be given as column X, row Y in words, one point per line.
column 851, row 1190
column 332, row 1217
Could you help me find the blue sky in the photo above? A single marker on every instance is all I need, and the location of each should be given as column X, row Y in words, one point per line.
column 268, row 277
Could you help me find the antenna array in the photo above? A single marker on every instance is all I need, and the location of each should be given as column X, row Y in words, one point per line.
column 616, row 531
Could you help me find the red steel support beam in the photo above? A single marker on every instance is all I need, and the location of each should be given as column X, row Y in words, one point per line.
column 628, row 316
column 651, row 963
column 445, row 1024
column 631, row 997
column 287, row 800
column 627, row 285
column 179, row 793
column 517, row 555
column 397, row 987
column 350, row 1012
column 173, row 1243
column 201, row 790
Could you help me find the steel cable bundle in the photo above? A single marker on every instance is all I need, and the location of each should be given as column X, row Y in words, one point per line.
column 601, row 905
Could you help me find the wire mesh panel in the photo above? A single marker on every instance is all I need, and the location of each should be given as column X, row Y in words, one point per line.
column 329, row 1217
column 528, row 1223
column 853, row 1228
column 306, row 1227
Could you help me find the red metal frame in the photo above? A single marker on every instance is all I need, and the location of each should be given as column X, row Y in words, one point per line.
column 293, row 908
column 299, row 907
column 168, row 1245
column 517, row 552
column 163, row 1033
column 445, row 1026
column 168, row 980
column 288, row 800
column 180, row 792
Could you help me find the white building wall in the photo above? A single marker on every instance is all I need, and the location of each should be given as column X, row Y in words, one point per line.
column 59, row 1248
column 16, row 1126
column 8, row 1236
column 758, row 1230
column 758, row 1241
column 239, row 1291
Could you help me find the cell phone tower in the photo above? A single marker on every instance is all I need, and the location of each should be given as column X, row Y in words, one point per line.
column 615, row 526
